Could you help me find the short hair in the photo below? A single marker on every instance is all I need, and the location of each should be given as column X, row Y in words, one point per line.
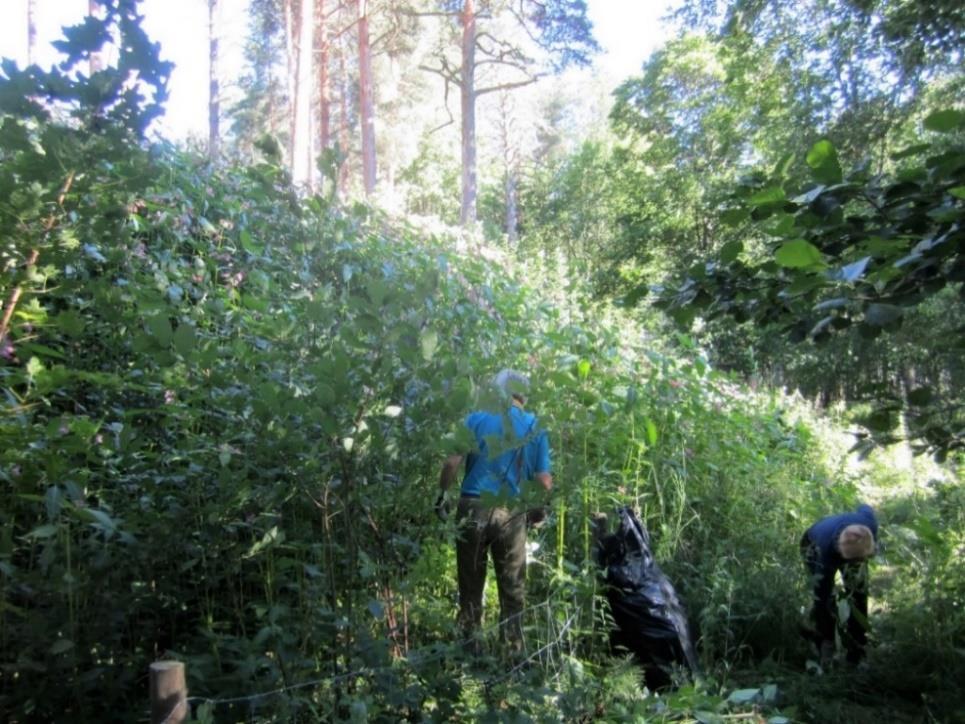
column 856, row 542
column 511, row 383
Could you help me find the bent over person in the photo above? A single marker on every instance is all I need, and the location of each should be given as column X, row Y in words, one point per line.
column 511, row 451
column 843, row 543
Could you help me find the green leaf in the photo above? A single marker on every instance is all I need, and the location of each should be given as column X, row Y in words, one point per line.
column 393, row 411
column 428, row 343
column 325, row 394
column 920, row 396
column 945, row 121
column 958, row 192
column 734, row 217
column 881, row 315
column 823, row 160
column 911, row 151
column 583, row 369
column 460, row 396
column 773, row 195
column 184, row 339
column 159, row 327
column 43, row 531
column 844, row 611
column 61, row 646
column 71, row 323
column 731, row 251
column 250, row 245
column 34, row 368
column 376, row 609
column 743, row 696
column 652, row 434
column 798, row 254
column 835, row 303
column 852, row 272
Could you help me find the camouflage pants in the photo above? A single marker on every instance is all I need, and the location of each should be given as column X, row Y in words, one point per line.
column 504, row 532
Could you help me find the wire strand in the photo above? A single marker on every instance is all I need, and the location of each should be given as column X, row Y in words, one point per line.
column 366, row 670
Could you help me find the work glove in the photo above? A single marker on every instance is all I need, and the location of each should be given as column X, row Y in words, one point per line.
column 535, row 517
column 442, row 506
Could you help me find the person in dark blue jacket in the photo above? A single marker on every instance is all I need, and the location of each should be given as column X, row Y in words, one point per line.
column 843, row 543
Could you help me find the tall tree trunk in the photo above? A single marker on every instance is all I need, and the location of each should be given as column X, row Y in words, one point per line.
column 467, row 89
column 343, row 136
column 324, row 89
column 301, row 163
column 512, row 216
column 366, row 99
column 214, row 91
column 510, row 163
column 96, row 62
column 291, row 67
column 31, row 32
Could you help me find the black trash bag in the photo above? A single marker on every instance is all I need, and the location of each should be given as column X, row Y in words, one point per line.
column 650, row 621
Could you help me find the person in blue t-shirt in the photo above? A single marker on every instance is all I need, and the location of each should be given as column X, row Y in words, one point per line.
column 843, row 543
column 511, row 451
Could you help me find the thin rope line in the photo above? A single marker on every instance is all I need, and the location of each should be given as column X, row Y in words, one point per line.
column 360, row 672
column 177, row 705
column 566, row 627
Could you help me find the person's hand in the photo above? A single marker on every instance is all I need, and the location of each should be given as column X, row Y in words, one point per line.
column 442, row 506
column 535, row 517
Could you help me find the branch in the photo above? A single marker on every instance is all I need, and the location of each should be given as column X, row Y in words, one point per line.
column 521, row 19
column 445, row 104
column 445, row 71
column 509, row 64
column 509, row 86
column 31, row 261
column 430, row 14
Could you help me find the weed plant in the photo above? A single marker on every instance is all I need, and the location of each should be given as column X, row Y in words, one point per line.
column 224, row 411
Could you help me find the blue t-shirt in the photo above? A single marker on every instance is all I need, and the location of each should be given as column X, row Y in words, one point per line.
column 503, row 461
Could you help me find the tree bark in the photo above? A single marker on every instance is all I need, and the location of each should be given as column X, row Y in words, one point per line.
column 510, row 160
column 214, row 91
column 324, row 89
column 343, row 135
column 291, row 67
column 467, row 92
column 366, row 98
column 512, row 215
column 301, row 163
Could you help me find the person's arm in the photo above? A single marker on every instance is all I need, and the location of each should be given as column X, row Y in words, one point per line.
column 544, row 479
column 450, row 469
column 449, row 472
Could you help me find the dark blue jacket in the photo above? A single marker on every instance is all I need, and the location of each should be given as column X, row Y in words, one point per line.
column 824, row 535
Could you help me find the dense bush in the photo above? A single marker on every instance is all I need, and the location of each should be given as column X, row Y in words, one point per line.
column 224, row 411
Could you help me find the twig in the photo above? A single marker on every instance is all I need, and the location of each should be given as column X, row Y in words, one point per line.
column 31, row 261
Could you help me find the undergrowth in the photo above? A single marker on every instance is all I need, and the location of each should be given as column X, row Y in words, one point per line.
column 224, row 411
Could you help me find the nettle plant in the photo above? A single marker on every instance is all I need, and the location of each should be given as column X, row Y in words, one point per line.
column 225, row 407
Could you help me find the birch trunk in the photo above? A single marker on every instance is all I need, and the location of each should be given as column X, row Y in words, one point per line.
column 301, row 164
column 467, row 90
column 366, row 99
column 214, row 91
column 324, row 90
column 291, row 67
